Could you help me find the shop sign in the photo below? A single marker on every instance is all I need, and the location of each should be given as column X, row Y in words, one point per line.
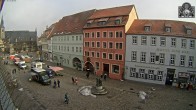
column 183, row 74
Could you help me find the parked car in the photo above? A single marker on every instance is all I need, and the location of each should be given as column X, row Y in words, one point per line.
column 36, row 65
column 40, row 75
column 22, row 65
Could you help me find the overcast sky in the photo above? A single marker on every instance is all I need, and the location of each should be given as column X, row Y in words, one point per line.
column 32, row 14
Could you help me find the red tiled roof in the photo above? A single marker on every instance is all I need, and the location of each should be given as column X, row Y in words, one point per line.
column 72, row 24
column 178, row 28
column 111, row 12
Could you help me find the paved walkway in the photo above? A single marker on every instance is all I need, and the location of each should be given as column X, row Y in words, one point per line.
column 122, row 94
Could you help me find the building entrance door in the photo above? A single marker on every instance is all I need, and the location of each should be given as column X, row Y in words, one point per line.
column 106, row 68
column 170, row 76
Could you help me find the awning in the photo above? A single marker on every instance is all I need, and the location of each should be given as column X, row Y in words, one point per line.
column 55, row 68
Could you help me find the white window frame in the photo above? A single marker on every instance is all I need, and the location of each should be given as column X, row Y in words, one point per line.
column 172, row 59
column 173, row 42
column 103, row 45
column 134, row 40
column 152, row 57
column 109, row 56
column 183, row 43
column 190, row 62
column 192, row 44
column 182, row 60
column 143, row 57
column 132, row 72
column 105, row 55
column 143, row 40
column 153, row 41
column 134, row 56
column 162, row 41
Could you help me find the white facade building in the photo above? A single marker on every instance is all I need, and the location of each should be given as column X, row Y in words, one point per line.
column 161, row 52
column 68, row 50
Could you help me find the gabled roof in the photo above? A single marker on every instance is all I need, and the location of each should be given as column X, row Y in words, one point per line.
column 178, row 28
column 21, row 36
column 112, row 12
column 72, row 24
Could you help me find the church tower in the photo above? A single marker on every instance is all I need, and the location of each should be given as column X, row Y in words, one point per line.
column 2, row 34
column 2, row 30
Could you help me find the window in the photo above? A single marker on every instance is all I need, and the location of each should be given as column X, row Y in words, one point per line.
column 153, row 41
column 182, row 60
column 134, row 39
column 59, row 47
column 116, row 56
column 100, row 23
column 120, row 57
column 143, row 40
column 98, row 44
column 104, row 45
column 76, row 38
column 115, row 69
column 152, row 57
column 133, row 56
column 72, row 38
column 93, row 44
column 132, row 72
column 150, row 74
column 191, row 58
column 76, row 49
column 92, row 34
column 110, row 56
column 98, row 34
column 117, row 21
column 162, row 58
column 119, row 34
column 80, row 49
column 163, row 41
column 143, row 57
column 119, row 45
column 64, row 48
column 173, row 42
column 86, row 53
column 141, row 73
column 183, row 43
column 68, row 49
column 192, row 44
column 110, row 45
column 87, row 44
column 168, row 29
column 72, row 49
column 97, row 65
column 93, row 54
column 189, row 31
column 67, row 38
column 160, row 75
column 147, row 28
column 105, row 34
column 97, row 54
column 86, row 35
column 172, row 59
column 104, row 55
column 110, row 34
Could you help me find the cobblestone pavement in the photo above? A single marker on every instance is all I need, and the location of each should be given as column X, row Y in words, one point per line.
column 122, row 94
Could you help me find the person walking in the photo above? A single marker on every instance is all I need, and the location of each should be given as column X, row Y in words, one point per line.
column 76, row 81
column 105, row 75
column 58, row 83
column 73, row 80
column 54, row 84
column 87, row 74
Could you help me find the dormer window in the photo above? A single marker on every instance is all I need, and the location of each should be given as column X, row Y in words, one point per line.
column 102, row 21
column 167, row 29
column 147, row 28
column 189, row 31
column 118, row 20
column 89, row 23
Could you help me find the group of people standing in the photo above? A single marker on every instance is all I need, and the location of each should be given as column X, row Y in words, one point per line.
column 56, row 83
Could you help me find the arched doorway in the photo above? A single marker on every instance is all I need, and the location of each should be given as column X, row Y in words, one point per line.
column 77, row 63
column 89, row 67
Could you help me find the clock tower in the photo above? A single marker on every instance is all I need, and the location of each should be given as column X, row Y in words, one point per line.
column 2, row 35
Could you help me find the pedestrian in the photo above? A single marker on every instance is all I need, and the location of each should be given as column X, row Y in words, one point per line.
column 105, row 75
column 76, row 81
column 58, row 83
column 87, row 74
column 54, row 84
column 73, row 80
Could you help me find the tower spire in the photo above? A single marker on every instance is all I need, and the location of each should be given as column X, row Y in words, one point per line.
column 2, row 22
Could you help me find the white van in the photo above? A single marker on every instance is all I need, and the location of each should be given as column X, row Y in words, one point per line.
column 36, row 65
column 22, row 65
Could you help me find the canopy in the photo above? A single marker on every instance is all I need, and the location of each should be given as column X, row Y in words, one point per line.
column 55, row 68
